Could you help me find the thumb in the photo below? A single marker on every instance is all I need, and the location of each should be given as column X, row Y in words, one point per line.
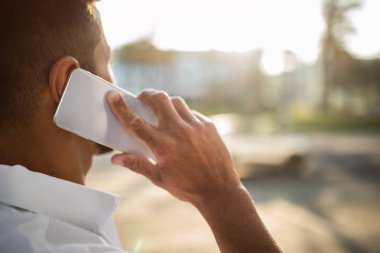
column 139, row 164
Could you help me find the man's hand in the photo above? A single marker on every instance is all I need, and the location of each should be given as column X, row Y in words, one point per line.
column 193, row 163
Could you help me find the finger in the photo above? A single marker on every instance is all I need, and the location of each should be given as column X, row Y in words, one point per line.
column 161, row 105
column 201, row 117
column 138, row 126
column 183, row 110
column 139, row 164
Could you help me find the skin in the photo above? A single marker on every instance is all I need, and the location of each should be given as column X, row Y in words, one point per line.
column 194, row 165
column 65, row 155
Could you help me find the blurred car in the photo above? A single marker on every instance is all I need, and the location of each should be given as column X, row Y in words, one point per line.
column 255, row 152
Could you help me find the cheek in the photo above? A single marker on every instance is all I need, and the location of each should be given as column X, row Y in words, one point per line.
column 111, row 74
column 106, row 73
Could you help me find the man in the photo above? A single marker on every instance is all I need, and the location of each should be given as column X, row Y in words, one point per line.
column 44, row 205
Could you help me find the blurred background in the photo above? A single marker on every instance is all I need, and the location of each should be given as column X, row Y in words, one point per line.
column 293, row 87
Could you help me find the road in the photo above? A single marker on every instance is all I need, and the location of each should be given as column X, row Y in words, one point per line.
column 334, row 207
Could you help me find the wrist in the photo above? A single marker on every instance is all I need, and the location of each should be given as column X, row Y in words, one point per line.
column 222, row 197
column 235, row 223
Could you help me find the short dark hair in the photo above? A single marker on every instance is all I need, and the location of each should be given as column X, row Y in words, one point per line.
column 34, row 34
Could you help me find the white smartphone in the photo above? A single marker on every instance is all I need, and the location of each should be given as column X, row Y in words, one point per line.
column 84, row 111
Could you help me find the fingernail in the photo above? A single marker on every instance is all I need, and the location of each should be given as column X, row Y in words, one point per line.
column 114, row 96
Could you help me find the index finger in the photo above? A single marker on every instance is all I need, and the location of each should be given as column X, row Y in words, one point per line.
column 134, row 123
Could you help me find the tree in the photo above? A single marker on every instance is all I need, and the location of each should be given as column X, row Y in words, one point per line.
column 143, row 51
column 336, row 61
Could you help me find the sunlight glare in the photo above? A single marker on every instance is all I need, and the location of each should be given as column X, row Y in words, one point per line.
column 365, row 42
column 272, row 62
column 227, row 25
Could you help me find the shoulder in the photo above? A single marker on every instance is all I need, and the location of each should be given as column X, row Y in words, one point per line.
column 25, row 231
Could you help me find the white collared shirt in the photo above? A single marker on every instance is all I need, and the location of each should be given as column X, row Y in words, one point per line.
column 39, row 213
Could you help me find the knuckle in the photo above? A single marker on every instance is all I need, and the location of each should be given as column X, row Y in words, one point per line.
column 184, row 131
column 153, row 96
column 177, row 100
column 209, row 125
column 133, row 165
column 136, row 123
column 200, row 126
column 137, row 165
column 145, row 94
column 160, row 95
column 124, row 115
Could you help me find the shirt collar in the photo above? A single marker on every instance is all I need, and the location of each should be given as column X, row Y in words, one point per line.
column 63, row 200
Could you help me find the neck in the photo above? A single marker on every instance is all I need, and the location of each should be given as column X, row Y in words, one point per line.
column 42, row 151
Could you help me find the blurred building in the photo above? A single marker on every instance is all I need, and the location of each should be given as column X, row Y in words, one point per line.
column 187, row 74
column 236, row 80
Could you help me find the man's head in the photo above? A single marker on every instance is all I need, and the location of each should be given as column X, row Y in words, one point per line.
column 42, row 41
column 35, row 34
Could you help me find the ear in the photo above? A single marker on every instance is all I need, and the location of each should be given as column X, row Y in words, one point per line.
column 59, row 74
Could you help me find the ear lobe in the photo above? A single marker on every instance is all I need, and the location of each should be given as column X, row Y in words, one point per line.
column 59, row 74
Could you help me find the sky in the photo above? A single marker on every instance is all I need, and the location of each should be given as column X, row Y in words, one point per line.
column 235, row 25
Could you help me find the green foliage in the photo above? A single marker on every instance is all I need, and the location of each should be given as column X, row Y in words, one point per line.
column 144, row 52
column 336, row 122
